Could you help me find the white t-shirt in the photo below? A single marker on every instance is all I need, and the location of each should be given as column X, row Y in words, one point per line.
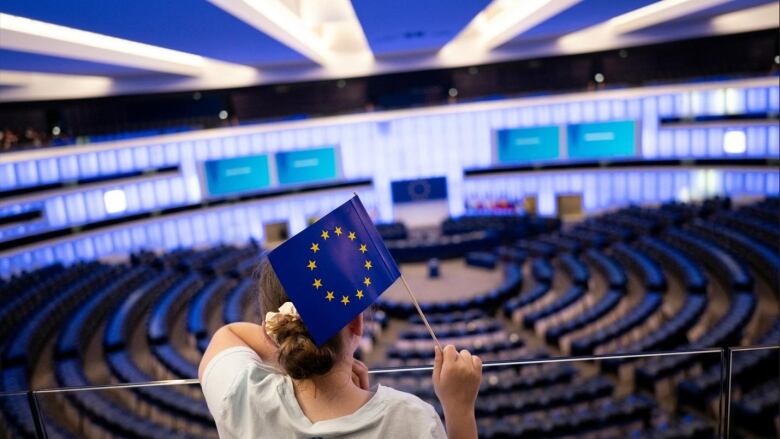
column 249, row 399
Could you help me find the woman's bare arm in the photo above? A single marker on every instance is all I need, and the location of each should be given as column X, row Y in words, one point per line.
column 245, row 334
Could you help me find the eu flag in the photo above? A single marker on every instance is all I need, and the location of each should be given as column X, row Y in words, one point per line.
column 334, row 269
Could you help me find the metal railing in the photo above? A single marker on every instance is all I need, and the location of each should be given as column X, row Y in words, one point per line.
column 726, row 356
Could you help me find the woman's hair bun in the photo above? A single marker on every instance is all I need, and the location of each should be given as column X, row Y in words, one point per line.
column 298, row 355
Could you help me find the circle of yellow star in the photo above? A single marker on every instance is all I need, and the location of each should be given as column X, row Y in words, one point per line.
column 351, row 236
column 315, row 247
column 338, row 231
column 312, row 265
column 359, row 294
column 329, row 296
column 367, row 281
column 363, row 248
column 368, row 265
column 344, row 300
column 325, row 234
column 317, row 283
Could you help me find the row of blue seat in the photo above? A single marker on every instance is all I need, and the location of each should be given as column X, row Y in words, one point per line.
column 764, row 210
column 606, row 303
column 36, row 331
column 506, row 227
column 721, row 263
column 392, row 231
column 605, row 413
column 71, row 341
column 233, row 262
column 636, row 222
column 671, row 334
column 763, row 259
column 442, row 247
column 104, row 412
column 542, row 270
column 17, row 309
column 587, row 238
column 16, row 417
column 537, row 249
column 612, row 232
column 547, row 398
column 613, row 272
column 669, row 214
column 453, row 317
column 650, row 273
column 426, row 353
column 160, row 319
column 759, row 409
column 496, row 380
column 166, row 398
column 203, row 302
column 727, row 331
column 487, row 260
column 15, row 287
column 236, row 302
column 694, row 280
column 123, row 320
column 650, row 302
column 576, row 270
column 748, row 369
column 760, row 231
column 573, row 294
column 464, row 328
column 526, row 379
column 510, row 286
column 561, row 243
column 525, row 299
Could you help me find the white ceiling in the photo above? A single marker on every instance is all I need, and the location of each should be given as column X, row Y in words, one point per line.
column 57, row 49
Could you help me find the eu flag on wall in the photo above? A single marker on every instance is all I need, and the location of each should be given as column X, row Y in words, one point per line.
column 334, row 269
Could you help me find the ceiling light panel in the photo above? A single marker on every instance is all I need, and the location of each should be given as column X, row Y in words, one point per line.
column 27, row 35
column 328, row 33
column 659, row 12
column 503, row 20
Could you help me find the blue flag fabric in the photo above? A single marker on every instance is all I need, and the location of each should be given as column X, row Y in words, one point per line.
column 334, row 269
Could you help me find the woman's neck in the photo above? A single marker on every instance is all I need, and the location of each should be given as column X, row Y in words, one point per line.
column 331, row 395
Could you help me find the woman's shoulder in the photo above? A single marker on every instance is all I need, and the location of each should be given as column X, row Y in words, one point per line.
column 403, row 400
column 406, row 415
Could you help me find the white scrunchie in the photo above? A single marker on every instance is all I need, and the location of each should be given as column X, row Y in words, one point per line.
column 272, row 319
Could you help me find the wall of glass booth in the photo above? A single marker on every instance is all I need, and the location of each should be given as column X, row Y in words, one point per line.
column 734, row 119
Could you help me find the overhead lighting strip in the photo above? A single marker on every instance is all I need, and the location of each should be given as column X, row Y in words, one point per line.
column 28, row 35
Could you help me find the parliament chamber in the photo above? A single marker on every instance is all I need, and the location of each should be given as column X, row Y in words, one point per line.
column 591, row 204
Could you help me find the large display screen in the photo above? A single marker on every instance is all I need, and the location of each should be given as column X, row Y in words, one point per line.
column 602, row 140
column 235, row 175
column 307, row 166
column 516, row 145
column 423, row 189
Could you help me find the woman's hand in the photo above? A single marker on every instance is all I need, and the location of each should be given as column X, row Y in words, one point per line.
column 359, row 374
column 456, row 378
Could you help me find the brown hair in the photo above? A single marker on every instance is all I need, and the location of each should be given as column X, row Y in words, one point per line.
column 298, row 355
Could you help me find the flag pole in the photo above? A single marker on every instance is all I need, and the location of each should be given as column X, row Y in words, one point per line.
column 414, row 300
column 419, row 311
